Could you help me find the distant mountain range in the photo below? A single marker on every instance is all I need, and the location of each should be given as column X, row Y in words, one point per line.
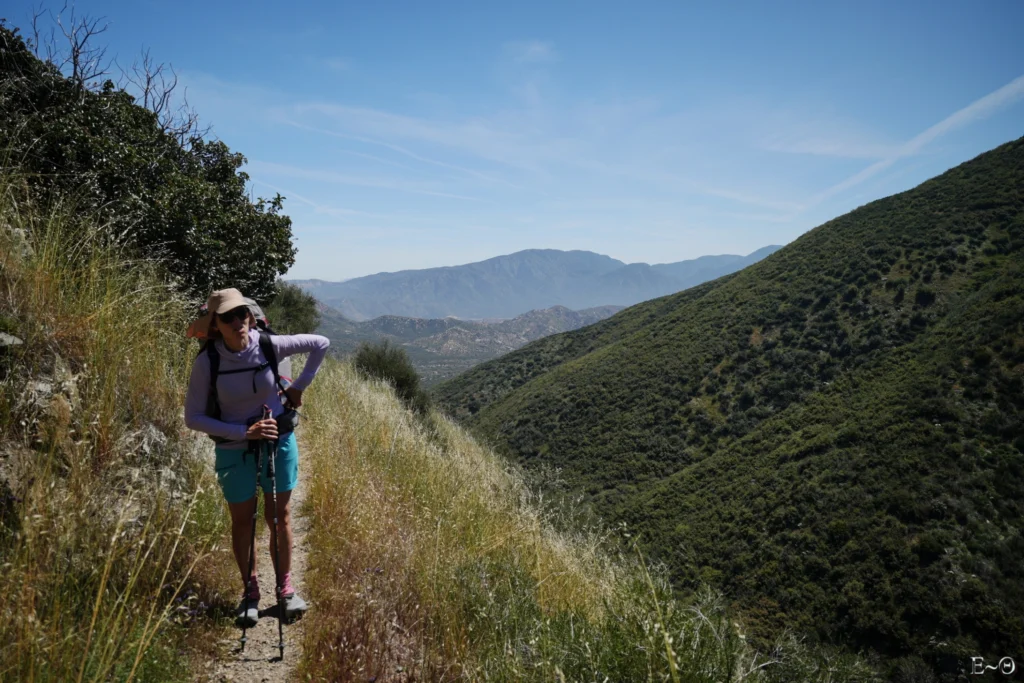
column 510, row 285
column 442, row 348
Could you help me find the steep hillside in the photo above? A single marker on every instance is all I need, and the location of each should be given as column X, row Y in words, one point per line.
column 494, row 339
column 110, row 514
column 833, row 435
column 348, row 333
column 408, row 329
column 432, row 560
column 507, row 286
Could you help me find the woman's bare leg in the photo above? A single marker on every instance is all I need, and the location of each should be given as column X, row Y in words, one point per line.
column 284, row 523
column 241, row 535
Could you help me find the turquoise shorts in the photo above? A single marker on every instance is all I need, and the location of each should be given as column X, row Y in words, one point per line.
column 236, row 470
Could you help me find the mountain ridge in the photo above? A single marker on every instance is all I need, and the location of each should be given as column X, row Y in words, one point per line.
column 509, row 285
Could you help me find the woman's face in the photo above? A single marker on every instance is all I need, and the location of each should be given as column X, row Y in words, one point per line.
column 234, row 327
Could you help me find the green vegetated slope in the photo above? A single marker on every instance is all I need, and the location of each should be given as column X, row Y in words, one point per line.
column 432, row 560
column 832, row 435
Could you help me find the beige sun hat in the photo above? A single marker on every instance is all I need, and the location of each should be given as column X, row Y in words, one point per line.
column 220, row 301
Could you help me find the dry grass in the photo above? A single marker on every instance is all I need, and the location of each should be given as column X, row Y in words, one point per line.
column 431, row 561
column 106, row 504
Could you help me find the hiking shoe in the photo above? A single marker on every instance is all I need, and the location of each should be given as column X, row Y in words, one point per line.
column 248, row 612
column 294, row 606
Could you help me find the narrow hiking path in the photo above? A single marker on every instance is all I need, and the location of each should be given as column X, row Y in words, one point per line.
column 259, row 661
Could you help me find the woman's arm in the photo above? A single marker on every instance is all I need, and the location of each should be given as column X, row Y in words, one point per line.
column 290, row 344
column 195, row 405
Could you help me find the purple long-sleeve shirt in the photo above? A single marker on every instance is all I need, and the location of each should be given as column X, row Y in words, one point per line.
column 238, row 400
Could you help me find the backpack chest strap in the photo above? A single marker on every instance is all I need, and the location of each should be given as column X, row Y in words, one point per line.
column 270, row 356
column 254, row 370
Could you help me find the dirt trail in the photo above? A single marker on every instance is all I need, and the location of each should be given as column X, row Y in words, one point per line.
column 259, row 661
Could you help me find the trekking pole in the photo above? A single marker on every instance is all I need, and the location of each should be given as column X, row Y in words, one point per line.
column 252, row 542
column 272, row 447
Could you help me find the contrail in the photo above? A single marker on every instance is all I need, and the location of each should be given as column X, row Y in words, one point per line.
column 976, row 110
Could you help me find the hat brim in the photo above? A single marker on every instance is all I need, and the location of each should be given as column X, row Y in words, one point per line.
column 200, row 328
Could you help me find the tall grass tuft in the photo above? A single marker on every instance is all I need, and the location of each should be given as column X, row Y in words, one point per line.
column 107, row 508
column 431, row 561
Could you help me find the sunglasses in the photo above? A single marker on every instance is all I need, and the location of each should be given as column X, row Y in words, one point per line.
column 240, row 313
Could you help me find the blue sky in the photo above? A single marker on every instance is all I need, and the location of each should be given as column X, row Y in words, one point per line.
column 421, row 134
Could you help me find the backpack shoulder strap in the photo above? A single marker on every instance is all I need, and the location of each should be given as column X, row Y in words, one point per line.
column 212, row 403
column 267, row 347
column 214, row 358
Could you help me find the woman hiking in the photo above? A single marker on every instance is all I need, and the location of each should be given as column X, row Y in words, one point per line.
column 245, row 384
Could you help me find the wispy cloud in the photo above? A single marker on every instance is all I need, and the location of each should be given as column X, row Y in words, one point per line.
column 813, row 128
column 846, row 148
column 401, row 150
column 978, row 109
column 319, row 175
column 531, row 51
column 317, row 207
column 502, row 139
column 336, row 64
column 683, row 184
column 572, row 160
column 494, row 140
column 594, row 141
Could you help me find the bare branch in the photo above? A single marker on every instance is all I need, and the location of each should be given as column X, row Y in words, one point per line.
column 36, row 41
column 154, row 85
column 44, row 46
column 87, row 63
column 184, row 125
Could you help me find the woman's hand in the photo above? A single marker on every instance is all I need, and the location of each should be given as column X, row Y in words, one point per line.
column 294, row 396
column 264, row 429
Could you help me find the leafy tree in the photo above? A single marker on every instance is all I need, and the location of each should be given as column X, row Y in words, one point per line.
column 178, row 199
column 293, row 311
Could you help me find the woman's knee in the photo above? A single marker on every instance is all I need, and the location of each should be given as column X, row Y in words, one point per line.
column 284, row 514
column 242, row 513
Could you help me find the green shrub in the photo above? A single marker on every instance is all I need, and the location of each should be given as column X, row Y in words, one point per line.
column 391, row 363
column 292, row 311
column 924, row 297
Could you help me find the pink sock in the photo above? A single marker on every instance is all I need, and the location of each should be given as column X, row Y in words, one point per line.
column 286, row 585
column 254, row 591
